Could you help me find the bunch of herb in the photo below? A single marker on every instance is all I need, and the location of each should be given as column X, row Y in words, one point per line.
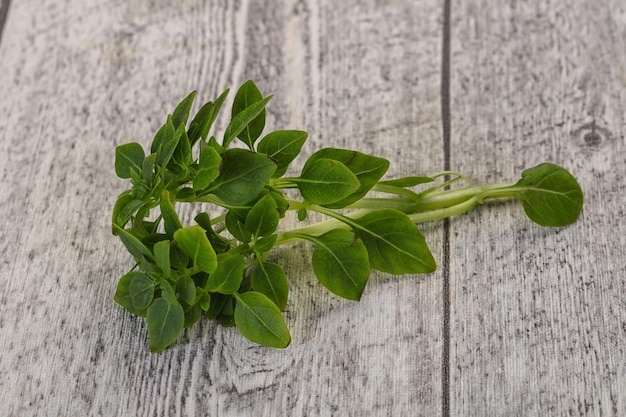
column 219, row 267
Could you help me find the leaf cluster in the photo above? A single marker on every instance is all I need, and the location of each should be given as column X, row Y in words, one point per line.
column 219, row 266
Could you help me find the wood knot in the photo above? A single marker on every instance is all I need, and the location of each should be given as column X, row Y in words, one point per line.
column 590, row 136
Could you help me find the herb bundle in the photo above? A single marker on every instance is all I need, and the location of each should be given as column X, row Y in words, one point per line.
column 219, row 266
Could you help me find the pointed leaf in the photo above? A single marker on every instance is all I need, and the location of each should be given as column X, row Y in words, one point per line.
column 208, row 168
column 283, row 146
column 135, row 291
column 226, row 279
column 367, row 168
column 243, row 119
column 259, row 320
column 247, row 95
column 186, row 289
column 394, row 244
column 165, row 323
column 263, row 218
column 181, row 113
column 326, row 181
column 202, row 122
column 340, row 262
column 243, row 176
column 162, row 256
column 194, row 242
column 270, row 279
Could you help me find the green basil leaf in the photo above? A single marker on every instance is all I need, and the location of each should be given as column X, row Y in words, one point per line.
column 182, row 157
column 194, row 242
column 165, row 323
column 208, row 168
column 237, row 228
column 181, row 113
column 147, row 168
column 259, row 320
column 218, row 301
column 171, row 222
column 240, row 121
column 125, row 206
column 243, row 176
column 164, row 135
column 132, row 243
column 186, row 289
column 341, row 263
column 368, row 169
column 205, row 302
column 283, row 146
column 550, row 195
column 247, row 95
column 135, row 291
column 202, row 122
column 263, row 218
column 161, row 252
column 326, row 181
column 220, row 244
column 130, row 155
column 265, row 244
column 168, row 145
column 227, row 277
column 192, row 312
column 270, row 280
column 394, row 244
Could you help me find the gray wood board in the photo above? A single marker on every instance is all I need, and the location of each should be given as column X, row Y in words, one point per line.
column 537, row 315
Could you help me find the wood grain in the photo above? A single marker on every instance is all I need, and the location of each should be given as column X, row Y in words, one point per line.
column 81, row 77
column 539, row 315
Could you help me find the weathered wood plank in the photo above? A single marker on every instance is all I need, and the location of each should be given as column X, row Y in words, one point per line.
column 538, row 315
column 82, row 77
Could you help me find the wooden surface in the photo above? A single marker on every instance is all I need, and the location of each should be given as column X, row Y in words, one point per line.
column 517, row 321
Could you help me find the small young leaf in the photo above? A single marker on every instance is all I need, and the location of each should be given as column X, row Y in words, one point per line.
column 259, row 320
column 226, row 279
column 243, row 119
column 186, row 289
column 162, row 256
column 237, row 228
column 283, row 146
column 394, row 244
column 407, row 181
column 164, row 135
column 130, row 155
column 208, row 168
column 134, row 292
column 147, row 168
column 194, row 242
column 165, row 323
column 132, row 243
column 247, row 95
column 265, row 244
column 218, row 301
column 368, row 169
column 168, row 145
column 125, row 206
column 192, row 312
column 181, row 113
column 202, row 122
column 340, row 262
column 171, row 222
column 182, row 157
column 326, row 181
column 263, row 218
column 243, row 176
column 270, row 279
column 302, row 214
column 205, row 302
column 551, row 196
column 220, row 244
